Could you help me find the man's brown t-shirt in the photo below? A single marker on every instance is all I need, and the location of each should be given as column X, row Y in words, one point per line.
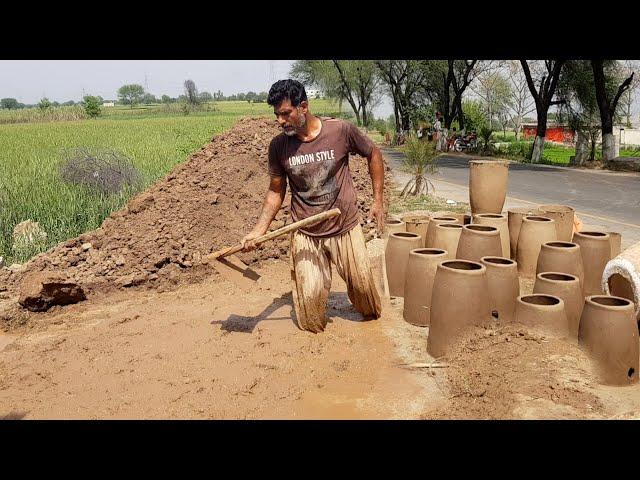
column 319, row 176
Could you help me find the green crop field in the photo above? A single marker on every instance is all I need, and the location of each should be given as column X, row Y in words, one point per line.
column 31, row 153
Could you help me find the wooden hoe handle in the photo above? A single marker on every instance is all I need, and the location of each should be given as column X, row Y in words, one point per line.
column 312, row 220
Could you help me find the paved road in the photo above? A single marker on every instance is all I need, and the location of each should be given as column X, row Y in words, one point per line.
column 611, row 195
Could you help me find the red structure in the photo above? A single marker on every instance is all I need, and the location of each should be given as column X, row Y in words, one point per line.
column 555, row 133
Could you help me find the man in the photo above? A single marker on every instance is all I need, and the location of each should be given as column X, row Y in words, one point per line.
column 312, row 154
column 437, row 128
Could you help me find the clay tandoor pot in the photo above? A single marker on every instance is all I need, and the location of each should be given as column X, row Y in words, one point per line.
column 535, row 231
column 568, row 288
column 609, row 333
column 615, row 239
column 499, row 221
column 504, row 287
column 397, row 257
column 393, row 225
column 563, row 216
column 488, row 185
column 446, row 237
column 431, row 229
column 477, row 241
column 459, row 300
column 416, row 224
column 421, row 271
column 514, row 222
column 543, row 312
column 562, row 257
column 595, row 248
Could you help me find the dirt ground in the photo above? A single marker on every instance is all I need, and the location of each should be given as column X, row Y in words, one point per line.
column 187, row 344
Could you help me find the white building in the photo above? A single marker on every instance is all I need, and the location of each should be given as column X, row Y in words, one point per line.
column 108, row 104
column 313, row 93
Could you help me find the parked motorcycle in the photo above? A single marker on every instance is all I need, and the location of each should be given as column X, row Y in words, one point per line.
column 466, row 142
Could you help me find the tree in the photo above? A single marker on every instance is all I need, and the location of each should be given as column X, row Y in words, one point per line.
column 251, row 96
column 495, row 91
column 355, row 81
column 149, row 98
column 608, row 96
column 68, row 103
column 92, row 106
column 9, row 103
column 44, row 104
column 206, row 97
column 166, row 99
column 520, row 102
column 626, row 101
column 420, row 159
column 191, row 92
column 545, row 74
column 130, row 94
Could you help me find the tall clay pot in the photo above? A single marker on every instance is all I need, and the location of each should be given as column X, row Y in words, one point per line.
column 609, row 333
column 461, row 218
column 562, row 257
column 393, row 225
column 533, row 233
column 397, row 257
column 543, row 312
column 459, row 300
column 499, row 221
column 514, row 222
column 595, row 248
column 488, row 185
column 421, row 270
column 568, row 288
column 504, row 287
column 615, row 240
column 563, row 216
column 431, row 229
column 446, row 237
column 416, row 224
column 477, row 241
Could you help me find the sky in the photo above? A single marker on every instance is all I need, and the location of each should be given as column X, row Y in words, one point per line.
column 60, row 80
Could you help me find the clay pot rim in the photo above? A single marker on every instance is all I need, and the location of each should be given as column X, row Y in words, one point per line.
column 432, row 252
column 556, row 208
column 563, row 246
column 405, row 235
column 477, row 268
column 571, row 279
column 482, row 229
column 447, row 218
column 394, row 221
column 415, row 218
column 449, row 225
column 628, row 304
column 537, row 218
column 559, row 302
column 593, row 234
column 495, row 162
column 503, row 262
column 491, row 215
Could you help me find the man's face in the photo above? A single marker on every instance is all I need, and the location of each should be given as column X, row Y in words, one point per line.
column 291, row 118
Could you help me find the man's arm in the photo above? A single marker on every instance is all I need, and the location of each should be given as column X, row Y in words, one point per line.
column 272, row 203
column 376, row 171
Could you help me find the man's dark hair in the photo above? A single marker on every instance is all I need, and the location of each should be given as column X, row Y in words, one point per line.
column 286, row 89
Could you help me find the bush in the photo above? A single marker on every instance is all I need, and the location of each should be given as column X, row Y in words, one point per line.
column 92, row 106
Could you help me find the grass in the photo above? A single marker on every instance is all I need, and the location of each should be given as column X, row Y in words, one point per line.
column 423, row 202
column 30, row 154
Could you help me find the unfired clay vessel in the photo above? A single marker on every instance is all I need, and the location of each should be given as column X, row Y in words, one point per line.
column 417, row 224
column 563, row 216
column 431, row 229
column 477, row 241
column 609, row 333
column 567, row 287
column 514, row 222
column 393, row 225
column 595, row 248
column 487, row 185
column 397, row 257
column 459, row 299
column 543, row 312
column 615, row 239
column 504, row 287
column 562, row 257
column 421, row 270
column 534, row 232
column 499, row 221
column 446, row 237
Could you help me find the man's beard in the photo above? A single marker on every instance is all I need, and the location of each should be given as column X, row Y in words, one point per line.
column 301, row 123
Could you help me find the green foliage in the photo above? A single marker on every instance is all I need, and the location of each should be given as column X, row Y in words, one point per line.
column 92, row 106
column 130, row 94
column 44, row 104
column 419, row 160
column 475, row 117
column 9, row 103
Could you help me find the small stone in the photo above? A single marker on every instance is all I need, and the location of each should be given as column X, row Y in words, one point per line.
column 86, row 246
column 119, row 261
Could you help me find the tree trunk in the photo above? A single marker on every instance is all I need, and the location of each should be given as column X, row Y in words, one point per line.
column 538, row 148
column 608, row 147
column 460, row 113
column 581, row 148
column 418, row 187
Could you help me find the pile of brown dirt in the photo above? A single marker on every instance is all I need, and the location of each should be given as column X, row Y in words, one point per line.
column 515, row 372
column 160, row 237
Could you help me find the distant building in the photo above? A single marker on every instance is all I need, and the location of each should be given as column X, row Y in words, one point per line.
column 555, row 132
column 108, row 103
column 313, row 93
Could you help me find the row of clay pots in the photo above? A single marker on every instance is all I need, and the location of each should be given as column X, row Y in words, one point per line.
column 534, row 231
